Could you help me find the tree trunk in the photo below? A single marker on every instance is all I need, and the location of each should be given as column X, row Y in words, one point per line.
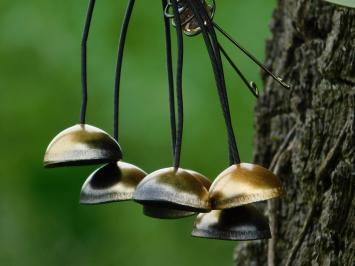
column 307, row 134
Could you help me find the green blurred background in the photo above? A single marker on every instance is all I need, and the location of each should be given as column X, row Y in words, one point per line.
column 41, row 222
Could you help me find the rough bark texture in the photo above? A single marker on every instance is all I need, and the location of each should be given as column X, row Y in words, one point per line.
column 311, row 129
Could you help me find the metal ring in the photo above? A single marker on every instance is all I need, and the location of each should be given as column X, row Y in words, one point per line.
column 170, row 15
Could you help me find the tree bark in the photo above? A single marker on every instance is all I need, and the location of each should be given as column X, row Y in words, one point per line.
column 307, row 134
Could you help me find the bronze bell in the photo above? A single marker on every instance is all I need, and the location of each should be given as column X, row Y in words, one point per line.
column 169, row 213
column 173, row 189
column 111, row 183
column 242, row 184
column 82, row 144
column 238, row 224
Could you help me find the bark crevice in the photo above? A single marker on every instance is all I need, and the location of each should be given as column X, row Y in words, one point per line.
column 313, row 47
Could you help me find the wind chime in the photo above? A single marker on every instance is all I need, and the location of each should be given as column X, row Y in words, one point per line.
column 225, row 207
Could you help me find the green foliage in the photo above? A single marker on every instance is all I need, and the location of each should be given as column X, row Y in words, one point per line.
column 347, row 3
column 41, row 222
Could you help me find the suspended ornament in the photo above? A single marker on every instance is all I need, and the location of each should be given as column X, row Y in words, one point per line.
column 174, row 188
column 249, row 183
column 257, row 183
column 242, row 184
column 111, row 183
column 225, row 206
column 238, row 224
column 82, row 144
column 162, row 212
column 115, row 181
column 170, row 213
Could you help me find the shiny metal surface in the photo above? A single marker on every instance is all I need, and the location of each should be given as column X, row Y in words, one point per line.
column 238, row 224
column 82, row 145
column 203, row 179
column 170, row 213
column 173, row 189
column 111, row 183
column 243, row 184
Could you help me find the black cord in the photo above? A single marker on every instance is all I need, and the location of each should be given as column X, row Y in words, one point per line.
column 233, row 150
column 253, row 58
column 213, row 49
column 250, row 85
column 84, row 41
column 179, row 93
column 121, row 47
column 218, row 74
column 169, row 64
column 219, row 67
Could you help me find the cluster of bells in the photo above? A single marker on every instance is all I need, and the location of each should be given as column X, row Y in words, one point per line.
column 224, row 208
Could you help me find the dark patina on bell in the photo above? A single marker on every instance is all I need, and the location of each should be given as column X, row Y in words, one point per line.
column 111, row 183
column 165, row 213
column 175, row 189
column 242, row 184
column 169, row 213
column 82, row 144
column 237, row 224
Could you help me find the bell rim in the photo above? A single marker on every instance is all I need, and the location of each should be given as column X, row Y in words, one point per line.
column 247, row 199
column 153, row 212
column 231, row 236
column 86, row 162
column 172, row 205
column 112, row 197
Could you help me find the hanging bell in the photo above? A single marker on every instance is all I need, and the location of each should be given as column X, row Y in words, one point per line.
column 111, row 183
column 242, row 184
column 81, row 144
column 237, row 224
column 173, row 189
column 169, row 213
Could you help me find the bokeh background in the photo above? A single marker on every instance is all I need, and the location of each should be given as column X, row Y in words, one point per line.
column 41, row 222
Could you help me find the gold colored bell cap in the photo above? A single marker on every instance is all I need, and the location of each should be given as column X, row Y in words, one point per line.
column 242, row 184
column 203, row 179
column 82, row 145
column 169, row 213
column 237, row 224
column 173, row 188
column 111, row 183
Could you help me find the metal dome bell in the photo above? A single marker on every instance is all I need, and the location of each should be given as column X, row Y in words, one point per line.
column 244, row 183
column 174, row 189
column 238, row 224
column 81, row 144
column 169, row 213
column 111, row 183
